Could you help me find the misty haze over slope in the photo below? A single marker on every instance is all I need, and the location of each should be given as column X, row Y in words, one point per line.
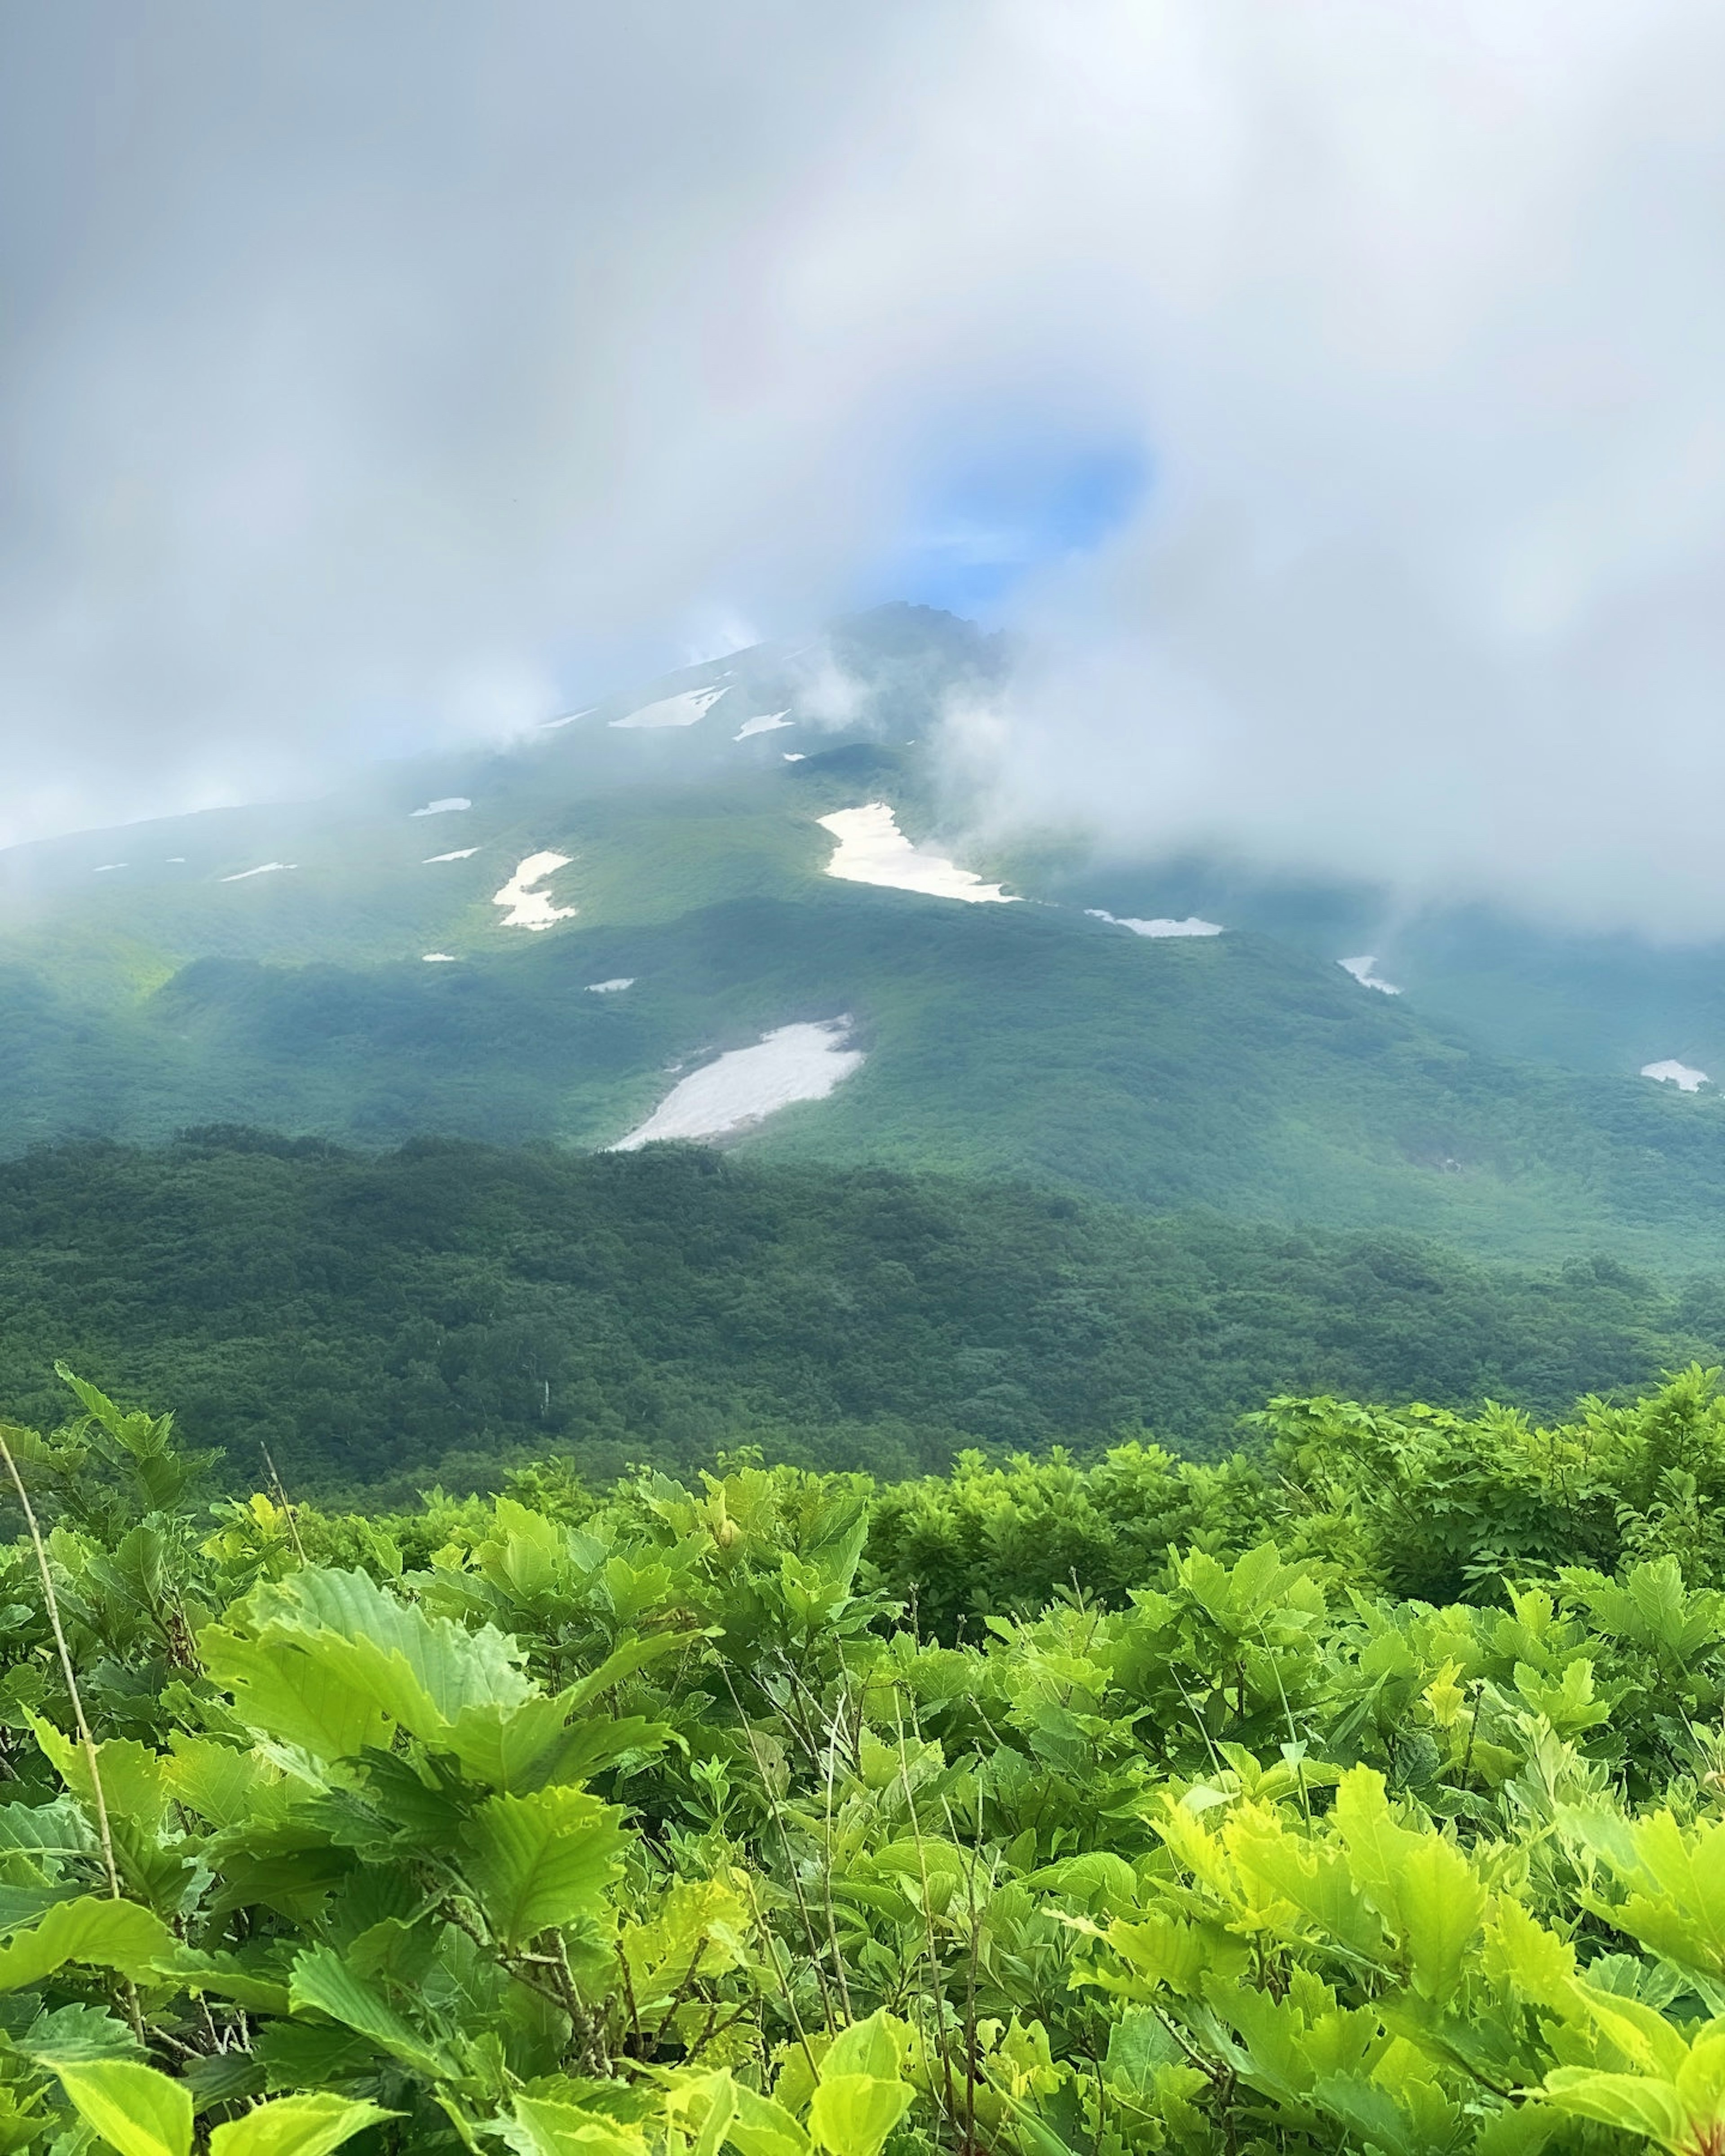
column 1328, row 397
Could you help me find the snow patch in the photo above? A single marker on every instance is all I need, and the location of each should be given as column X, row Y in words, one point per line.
column 872, row 849
column 529, row 907
column 610, row 987
column 440, row 958
column 793, row 755
column 768, row 723
column 1685, row 1079
column 176, row 861
column 446, row 807
column 1361, row 969
column 269, row 868
column 1192, row 925
column 460, row 853
column 568, row 719
column 108, row 868
column 679, row 710
column 795, row 1063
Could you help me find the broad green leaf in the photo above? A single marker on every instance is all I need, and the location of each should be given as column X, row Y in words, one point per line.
column 1633, row 2102
column 541, row 1861
column 852, row 2114
column 135, row 2109
column 544, row 2128
column 132, row 1784
column 420, row 1670
column 1441, row 1906
column 763, row 2127
column 296, row 2126
column 121, row 1935
column 873, row 2046
column 321, row 1980
column 282, row 1689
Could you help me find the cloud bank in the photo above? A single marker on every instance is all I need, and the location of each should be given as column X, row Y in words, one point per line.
column 394, row 375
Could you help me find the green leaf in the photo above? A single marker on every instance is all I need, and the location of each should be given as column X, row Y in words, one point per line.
column 283, row 1691
column 1441, row 1906
column 1632, row 2102
column 559, row 2129
column 321, row 1980
column 763, row 2127
column 296, row 2126
column 542, row 1860
column 135, row 2109
column 852, row 2114
column 121, row 1935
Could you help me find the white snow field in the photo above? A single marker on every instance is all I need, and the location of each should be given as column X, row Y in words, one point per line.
column 108, row 868
column 682, row 710
column 872, row 849
column 610, row 987
column 460, row 853
column 447, row 807
column 768, row 723
column 1682, row 1075
column 1192, row 925
column 440, row 958
column 796, row 1063
column 269, row 868
column 1361, row 969
column 794, row 755
column 529, row 907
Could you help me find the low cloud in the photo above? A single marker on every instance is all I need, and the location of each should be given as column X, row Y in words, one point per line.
column 405, row 375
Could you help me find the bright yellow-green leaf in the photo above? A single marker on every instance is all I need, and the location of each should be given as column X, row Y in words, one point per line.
column 1441, row 1907
column 295, row 2126
column 852, row 2114
column 135, row 2109
column 541, row 1861
column 560, row 2129
column 123, row 1935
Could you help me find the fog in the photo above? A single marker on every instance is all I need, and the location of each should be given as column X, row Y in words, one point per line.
column 388, row 376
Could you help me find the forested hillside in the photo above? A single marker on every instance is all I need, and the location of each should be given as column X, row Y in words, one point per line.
column 383, row 1319
column 1359, row 1798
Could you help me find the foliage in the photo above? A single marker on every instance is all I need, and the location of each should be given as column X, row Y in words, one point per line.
column 431, row 1311
column 655, row 1825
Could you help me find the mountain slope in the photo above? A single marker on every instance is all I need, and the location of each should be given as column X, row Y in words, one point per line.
column 435, row 1310
column 270, row 966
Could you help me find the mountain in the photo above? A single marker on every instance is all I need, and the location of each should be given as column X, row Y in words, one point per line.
column 629, row 926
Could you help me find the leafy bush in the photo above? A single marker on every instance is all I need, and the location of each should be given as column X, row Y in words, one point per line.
column 654, row 1822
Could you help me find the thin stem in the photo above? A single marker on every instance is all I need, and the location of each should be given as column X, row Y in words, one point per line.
column 84, row 1738
column 281, row 1499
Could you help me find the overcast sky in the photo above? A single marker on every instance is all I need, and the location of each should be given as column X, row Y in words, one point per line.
column 1331, row 392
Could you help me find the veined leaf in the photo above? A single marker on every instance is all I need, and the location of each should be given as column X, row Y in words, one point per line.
column 135, row 2109
column 541, row 1861
column 121, row 1935
column 296, row 2126
column 544, row 2128
column 420, row 1670
column 281, row 1688
column 322, row 1979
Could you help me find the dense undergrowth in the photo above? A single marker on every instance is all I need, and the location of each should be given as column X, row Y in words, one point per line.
column 1364, row 1795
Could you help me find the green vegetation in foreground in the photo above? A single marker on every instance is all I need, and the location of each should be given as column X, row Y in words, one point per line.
column 1379, row 1808
column 439, row 1310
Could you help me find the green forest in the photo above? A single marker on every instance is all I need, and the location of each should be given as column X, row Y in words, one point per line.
column 381, row 1321
column 1361, row 1792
